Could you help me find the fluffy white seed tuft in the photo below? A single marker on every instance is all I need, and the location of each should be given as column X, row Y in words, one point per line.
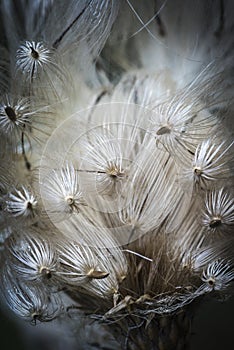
column 32, row 57
column 33, row 258
column 22, row 203
column 30, row 303
column 212, row 163
column 218, row 216
column 218, row 276
column 61, row 193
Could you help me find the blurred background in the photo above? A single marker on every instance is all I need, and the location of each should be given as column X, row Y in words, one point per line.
column 213, row 329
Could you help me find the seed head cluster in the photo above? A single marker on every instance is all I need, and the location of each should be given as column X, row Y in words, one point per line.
column 116, row 166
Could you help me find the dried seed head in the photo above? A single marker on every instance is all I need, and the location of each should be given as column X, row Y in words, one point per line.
column 32, row 56
column 34, row 53
column 79, row 264
column 15, row 114
column 215, row 222
column 33, row 258
column 218, row 275
column 22, row 203
column 114, row 171
column 45, row 272
column 10, row 112
column 165, row 129
column 61, row 193
column 218, row 214
column 97, row 274
column 197, row 171
column 212, row 163
column 32, row 303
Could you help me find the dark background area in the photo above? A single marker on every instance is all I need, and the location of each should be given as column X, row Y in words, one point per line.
column 213, row 326
column 213, row 329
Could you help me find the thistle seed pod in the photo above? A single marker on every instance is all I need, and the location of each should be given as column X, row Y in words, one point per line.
column 116, row 152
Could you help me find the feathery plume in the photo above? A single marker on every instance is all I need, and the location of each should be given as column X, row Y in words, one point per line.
column 116, row 194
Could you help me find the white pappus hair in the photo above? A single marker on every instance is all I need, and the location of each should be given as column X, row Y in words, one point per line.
column 116, row 161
